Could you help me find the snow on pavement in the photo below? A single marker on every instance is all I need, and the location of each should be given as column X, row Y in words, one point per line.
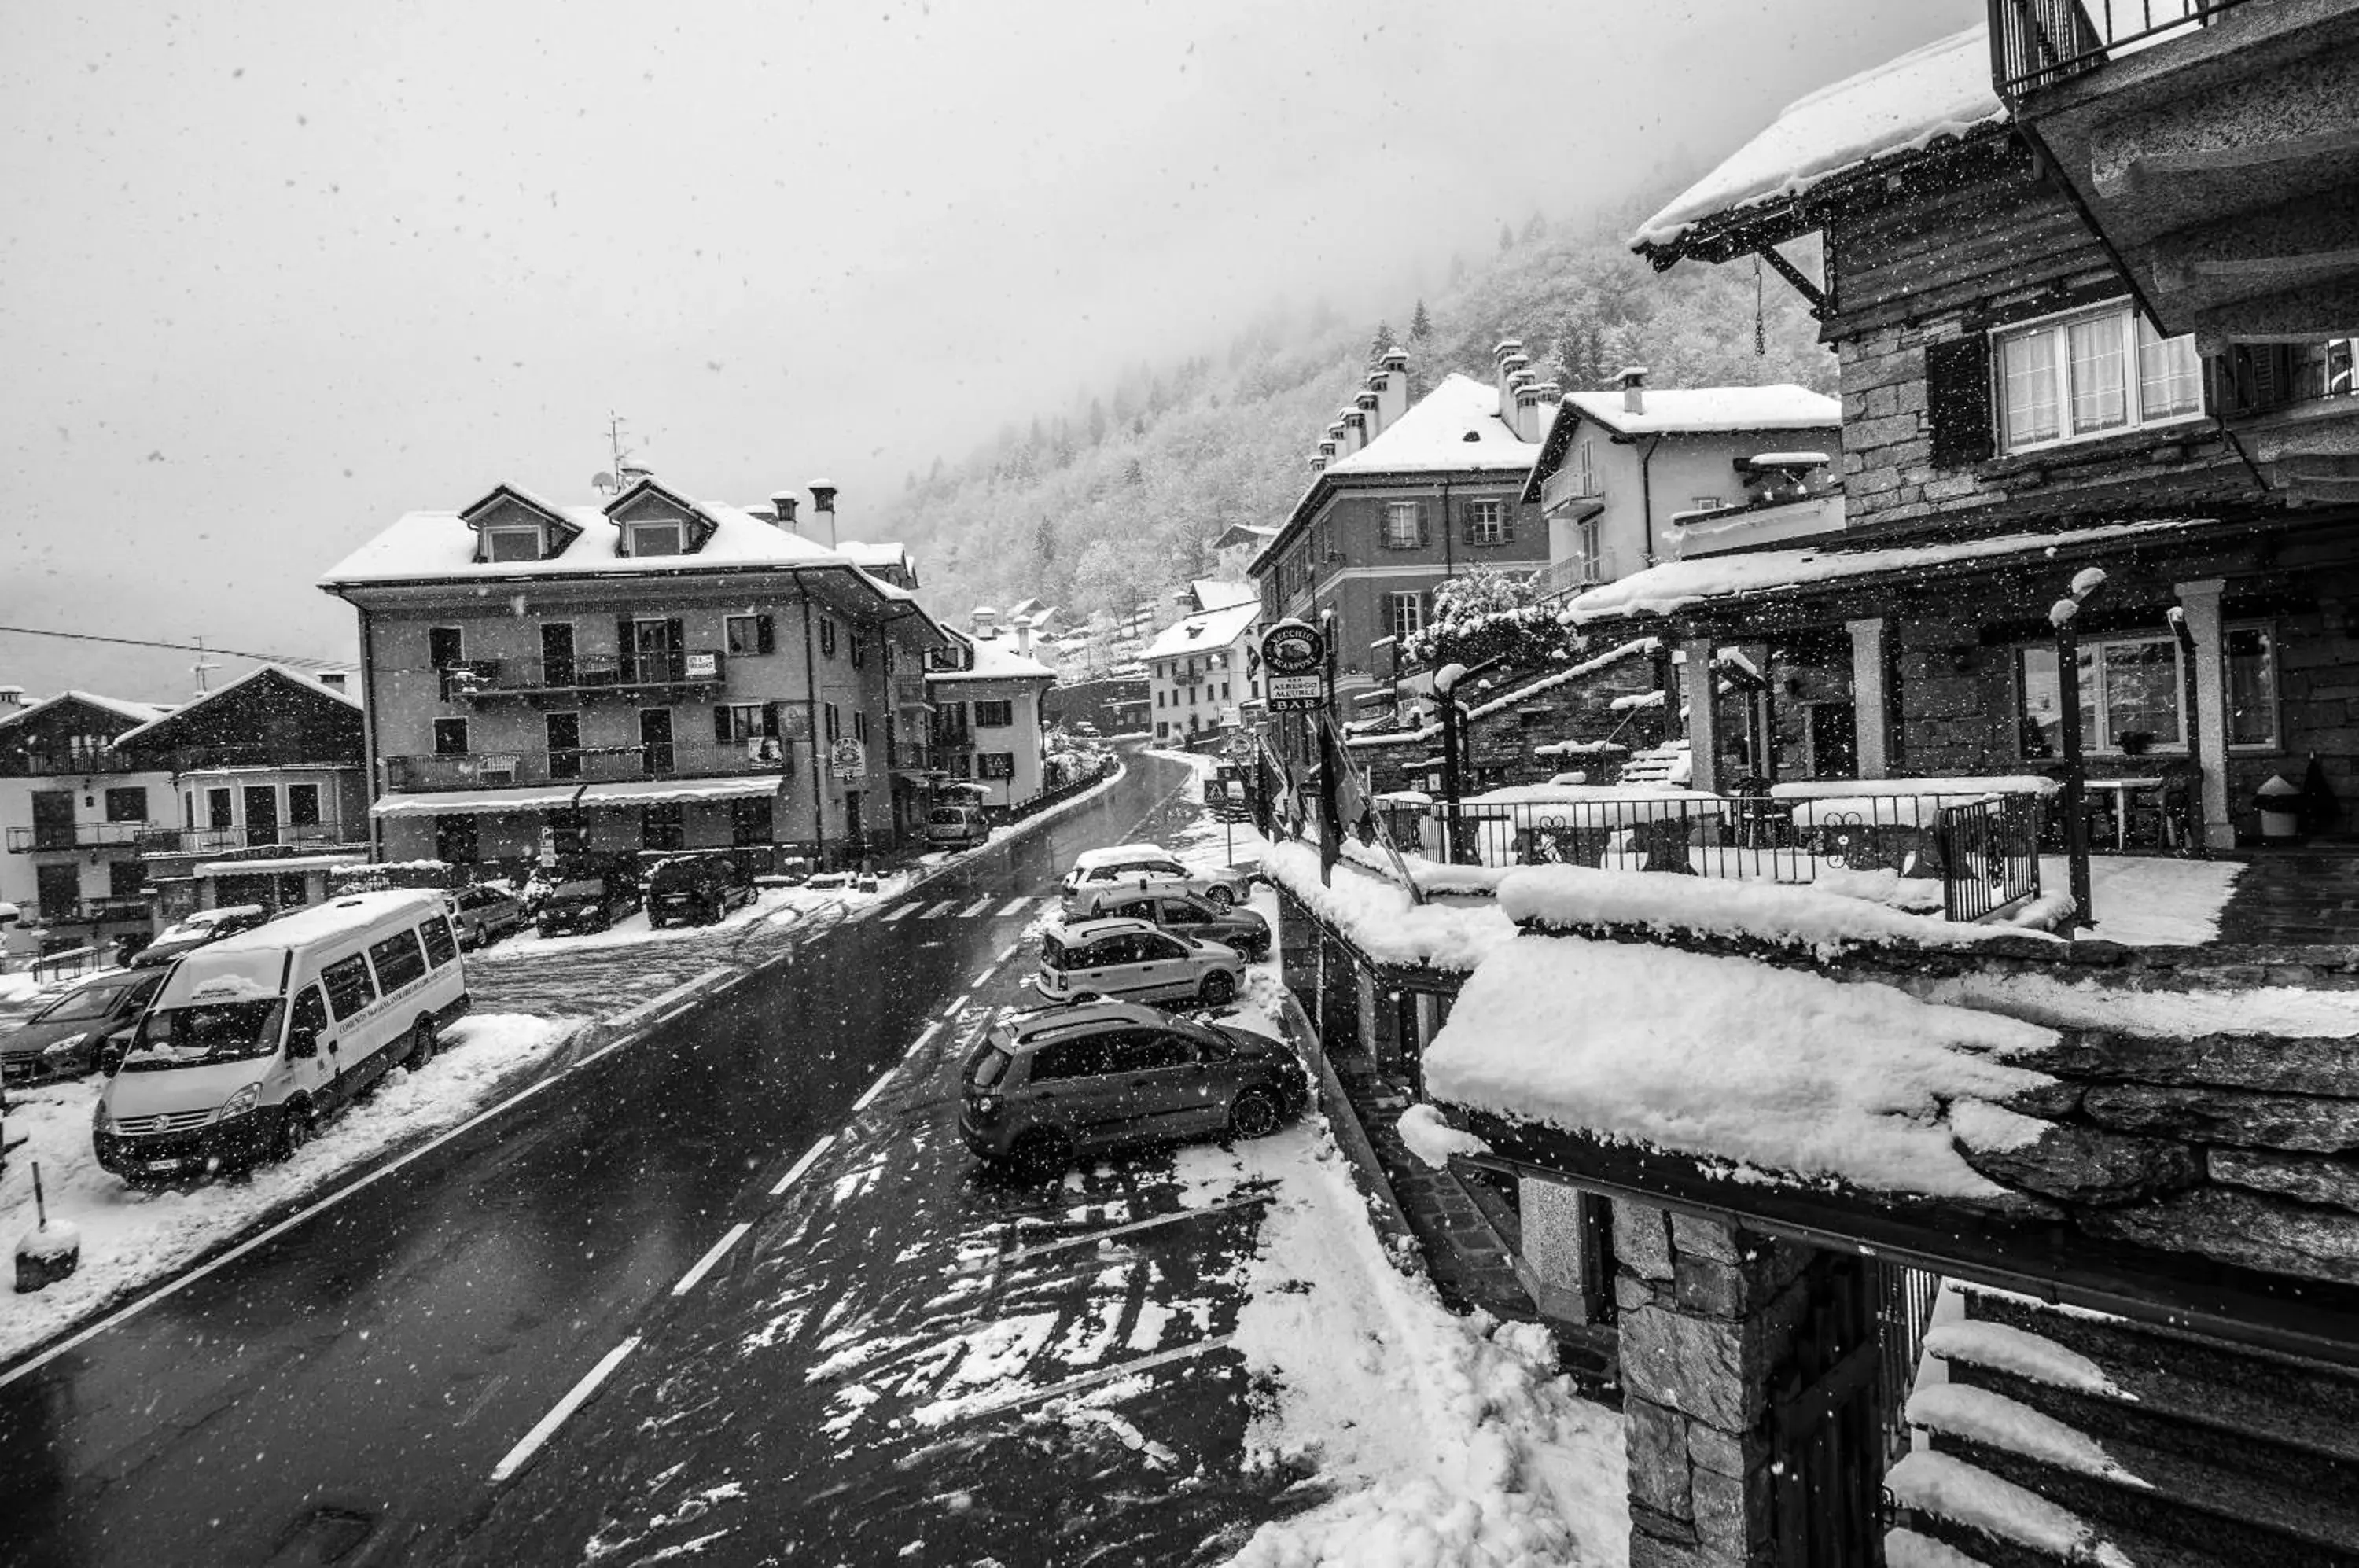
column 133, row 1237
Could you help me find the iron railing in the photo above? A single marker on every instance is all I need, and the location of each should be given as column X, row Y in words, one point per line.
column 1990, row 855
column 2037, row 43
column 1905, row 1299
column 93, row 912
column 587, row 672
column 245, row 755
column 71, row 764
column 583, row 765
column 75, row 835
column 232, row 840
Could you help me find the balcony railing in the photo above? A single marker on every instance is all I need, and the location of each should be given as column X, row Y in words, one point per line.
column 587, row 765
column 75, row 835
column 95, row 912
column 195, row 759
column 909, row 691
column 590, row 673
column 58, row 765
column 2037, row 43
column 1560, row 577
column 231, row 841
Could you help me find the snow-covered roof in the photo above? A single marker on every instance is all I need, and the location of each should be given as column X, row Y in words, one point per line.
column 658, row 791
column 1673, row 586
column 996, row 659
column 863, row 553
column 1218, row 593
column 1522, row 693
column 140, row 713
column 1455, row 426
column 1214, row 628
column 438, row 544
column 257, row 673
column 1706, row 410
column 475, row 802
column 1942, row 89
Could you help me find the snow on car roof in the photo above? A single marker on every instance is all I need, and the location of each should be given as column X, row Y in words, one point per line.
column 1115, row 853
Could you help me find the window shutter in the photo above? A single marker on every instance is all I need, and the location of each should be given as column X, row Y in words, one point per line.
column 1466, row 522
column 770, row 720
column 675, row 634
column 1506, row 521
column 1958, row 401
column 1424, row 526
column 721, row 724
column 626, row 653
column 765, row 635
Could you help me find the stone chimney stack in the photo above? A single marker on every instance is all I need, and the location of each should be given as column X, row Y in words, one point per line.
column 1632, row 379
column 824, row 506
column 1340, row 439
column 1356, row 429
column 1508, row 349
column 1022, row 626
column 1545, row 397
column 11, row 697
column 983, row 621
column 1371, row 408
column 783, row 504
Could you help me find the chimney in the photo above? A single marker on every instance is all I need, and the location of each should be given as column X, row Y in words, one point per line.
column 336, row 680
column 1328, row 450
column 1022, row 626
column 1390, row 383
column 1356, row 429
column 1526, row 417
column 982, row 622
column 1502, row 352
column 1318, row 465
column 1336, row 437
column 12, row 696
column 824, row 506
column 783, row 504
column 1545, row 397
column 1369, row 404
column 1632, row 379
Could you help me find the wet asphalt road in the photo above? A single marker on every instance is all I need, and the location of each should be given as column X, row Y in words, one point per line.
column 343, row 1393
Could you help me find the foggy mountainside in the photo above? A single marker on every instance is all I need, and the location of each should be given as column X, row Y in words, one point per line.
column 1118, row 498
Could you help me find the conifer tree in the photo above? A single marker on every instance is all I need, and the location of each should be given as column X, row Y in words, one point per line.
column 1421, row 325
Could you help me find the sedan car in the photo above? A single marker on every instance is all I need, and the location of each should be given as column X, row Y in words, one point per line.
column 1131, row 961
column 1040, row 1090
column 484, row 914
column 1102, row 874
column 196, row 929
column 64, row 1039
column 586, row 904
column 1190, row 916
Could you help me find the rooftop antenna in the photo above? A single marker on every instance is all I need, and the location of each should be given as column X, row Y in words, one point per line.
column 608, row 481
column 203, row 666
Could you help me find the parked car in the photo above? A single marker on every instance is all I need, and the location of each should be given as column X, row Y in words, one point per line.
column 586, row 904
column 195, row 930
column 481, row 915
column 64, row 1039
column 253, row 1040
column 1100, row 873
column 955, row 827
column 1040, row 1090
column 1130, row 960
column 1189, row 915
column 698, row 889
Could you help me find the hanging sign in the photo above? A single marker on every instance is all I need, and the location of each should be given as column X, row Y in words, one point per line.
column 1294, row 668
column 847, row 759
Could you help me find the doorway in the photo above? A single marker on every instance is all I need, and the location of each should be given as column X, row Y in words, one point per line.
column 557, row 654
column 654, row 741
column 53, row 819
column 261, row 814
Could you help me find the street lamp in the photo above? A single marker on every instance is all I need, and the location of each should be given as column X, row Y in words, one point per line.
column 2062, row 614
column 1446, row 681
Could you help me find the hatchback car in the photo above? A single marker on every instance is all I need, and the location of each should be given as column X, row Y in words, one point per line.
column 64, row 1039
column 1040, row 1090
column 697, row 889
column 1190, row 916
column 955, row 827
column 586, row 904
column 483, row 915
column 196, row 929
column 1101, row 874
column 1131, row 961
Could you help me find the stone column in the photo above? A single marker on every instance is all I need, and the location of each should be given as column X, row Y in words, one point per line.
column 1871, row 695
column 2200, row 600
column 1564, row 1248
column 1707, row 1312
column 1703, row 729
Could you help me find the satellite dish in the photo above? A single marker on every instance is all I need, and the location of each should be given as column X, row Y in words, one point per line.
column 603, row 482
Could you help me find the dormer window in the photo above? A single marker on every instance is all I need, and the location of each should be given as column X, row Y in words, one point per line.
column 655, row 539
column 512, row 542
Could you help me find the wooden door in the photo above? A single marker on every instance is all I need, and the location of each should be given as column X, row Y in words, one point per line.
column 1827, row 1433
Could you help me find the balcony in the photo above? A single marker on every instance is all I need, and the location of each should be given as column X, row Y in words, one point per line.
column 909, row 691
column 74, row 765
column 202, row 758
column 69, row 836
column 234, row 840
column 96, row 912
column 623, row 674
column 587, row 765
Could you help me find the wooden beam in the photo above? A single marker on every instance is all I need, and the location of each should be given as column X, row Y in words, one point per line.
column 1793, row 274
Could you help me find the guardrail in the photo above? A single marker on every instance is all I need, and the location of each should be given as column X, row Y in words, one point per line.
column 2037, row 43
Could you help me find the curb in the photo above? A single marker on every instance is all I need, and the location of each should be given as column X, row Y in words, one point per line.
column 1386, row 1215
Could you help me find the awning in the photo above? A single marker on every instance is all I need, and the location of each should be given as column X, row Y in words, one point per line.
column 264, row 866
column 476, row 802
column 661, row 791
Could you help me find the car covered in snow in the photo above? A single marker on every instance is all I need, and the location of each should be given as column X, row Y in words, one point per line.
column 1040, row 1090
column 194, row 930
column 1100, row 873
column 1131, row 961
column 64, row 1039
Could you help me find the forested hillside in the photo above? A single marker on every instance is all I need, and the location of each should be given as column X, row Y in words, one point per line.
column 1117, row 499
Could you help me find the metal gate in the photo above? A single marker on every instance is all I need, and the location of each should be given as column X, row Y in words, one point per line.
column 1827, row 1431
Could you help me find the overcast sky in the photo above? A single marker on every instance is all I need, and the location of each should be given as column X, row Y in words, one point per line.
column 275, row 272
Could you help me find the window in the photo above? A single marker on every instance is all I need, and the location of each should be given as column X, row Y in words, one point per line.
column 440, row 947
column 740, row 721
column 126, row 805
column 398, row 960
column 449, row 737
column 858, row 647
column 860, row 726
column 752, row 820
column 2130, row 696
column 218, row 809
column 750, row 634
column 446, row 648
column 827, row 635
column 834, row 726
column 994, row 765
column 2076, row 377
column 1083, row 1058
column 655, row 539
column 1162, row 728
column 1407, row 611
column 303, row 805
column 660, row 826
column 1224, row 690
column 1486, row 523
column 1707, row 503
column 124, row 879
column 564, row 734
column 310, row 1018
column 2250, row 654
column 1589, row 542
column 1584, row 469
column 995, row 715
column 512, row 543
column 1404, row 525
column 348, row 987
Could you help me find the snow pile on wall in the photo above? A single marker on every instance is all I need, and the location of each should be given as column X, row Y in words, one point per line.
column 1568, row 897
column 1994, row 1421
column 1431, row 875
column 2005, row 1348
column 1378, row 918
column 1433, row 1140
column 1954, row 1490
column 1728, row 1058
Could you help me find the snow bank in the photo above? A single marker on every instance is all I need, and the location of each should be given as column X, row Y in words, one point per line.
column 2288, row 1010
column 1729, row 1059
column 132, row 1238
column 2142, row 901
column 1826, row 923
column 1378, row 918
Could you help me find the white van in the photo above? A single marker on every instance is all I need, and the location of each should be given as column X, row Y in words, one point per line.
column 256, row 1037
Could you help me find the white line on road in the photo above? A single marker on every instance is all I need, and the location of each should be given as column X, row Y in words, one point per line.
column 1013, row 907
column 574, row 1399
column 809, row 1159
column 1052, row 903
column 920, row 1043
column 957, row 1006
column 679, row 993
column 875, row 1089
column 1063, row 1243
column 903, row 913
column 983, row 975
column 729, row 1238
column 975, row 908
column 936, row 912
column 1010, row 951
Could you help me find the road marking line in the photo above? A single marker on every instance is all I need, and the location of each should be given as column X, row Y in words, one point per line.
column 920, row 1043
column 957, row 1006
column 975, row 908
column 1010, row 951
column 903, row 912
column 729, row 1238
column 1052, row 902
column 1064, row 1243
column 983, row 975
column 936, row 912
column 875, row 1089
column 1104, row 1374
column 809, row 1159
column 679, row 993
column 578, row 1395
column 1013, row 907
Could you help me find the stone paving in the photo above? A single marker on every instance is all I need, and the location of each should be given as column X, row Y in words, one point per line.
column 2301, row 898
